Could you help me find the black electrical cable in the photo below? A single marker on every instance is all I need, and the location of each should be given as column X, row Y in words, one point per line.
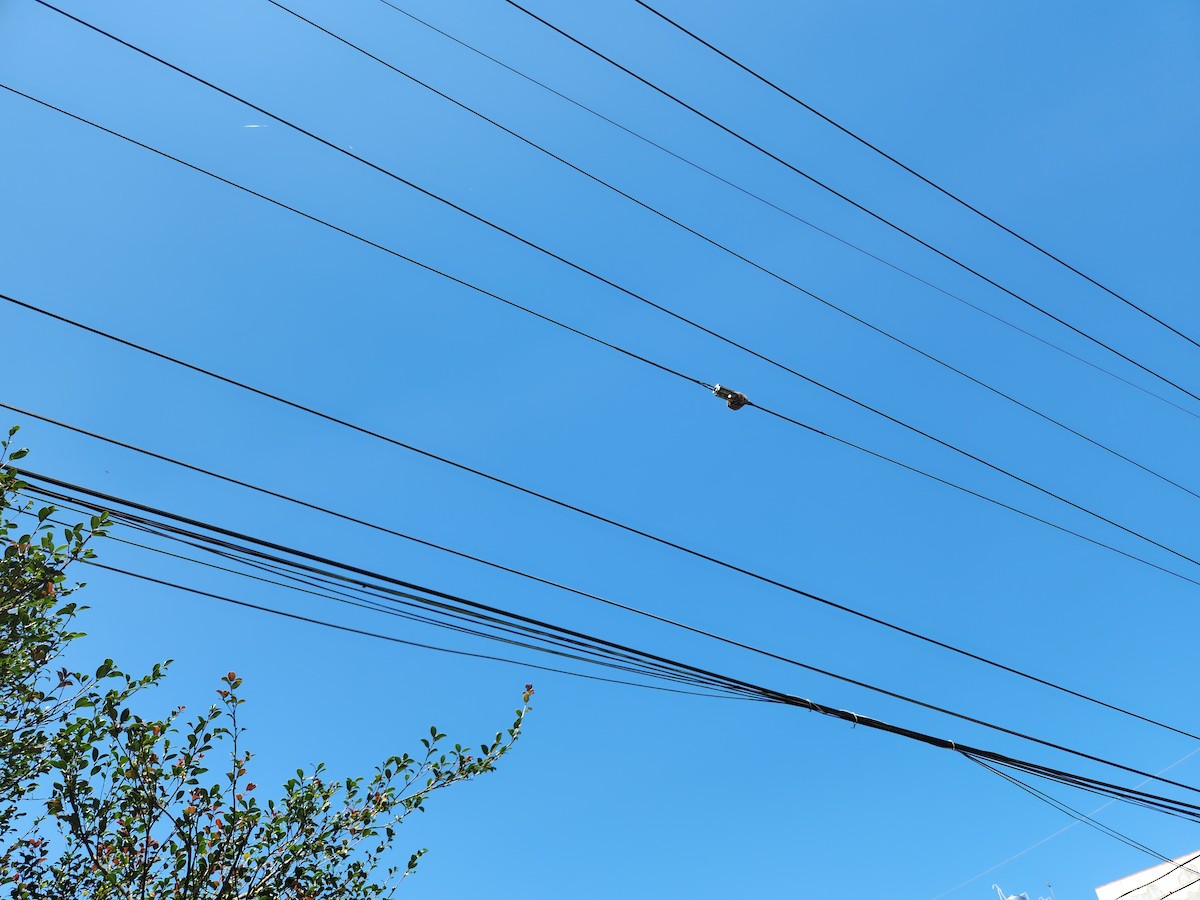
column 813, row 429
column 427, row 268
column 465, row 610
column 389, row 638
column 388, row 608
column 1172, row 871
column 1062, row 807
column 948, row 257
column 431, row 269
column 32, row 481
column 975, row 756
column 1162, row 804
column 325, row 223
column 1182, row 887
column 612, row 284
column 585, row 594
column 353, row 574
column 1166, row 805
column 697, row 381
column 787, row 212
column 598, row 277
column 765, row 270
column 177, row 532
column 933, row 184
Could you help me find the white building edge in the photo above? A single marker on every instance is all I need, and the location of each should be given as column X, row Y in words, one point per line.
column 1178, row 879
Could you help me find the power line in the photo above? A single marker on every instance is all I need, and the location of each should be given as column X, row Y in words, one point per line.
column 530, row 492
column 1172, row 871
column 1053, row 835
column 765, row 270
column 944, row 191
column 630, row 529
column 1155, row 802
column 787, row 212
column 962, row 265
column 1167, row 804
column 634, row 295
column 813, row 429
column 1068, row 810
column 162, row 519
column 640, row 358
column 590, row 337
column 645, row 300
column 326, row 224
column 371, row 433
column 639, row 297
column 603, row 279
column 566, row 588
column 363, row 633
column 350, row 599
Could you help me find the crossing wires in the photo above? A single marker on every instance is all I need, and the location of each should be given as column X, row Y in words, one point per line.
column 546, row 637
column 588, row 595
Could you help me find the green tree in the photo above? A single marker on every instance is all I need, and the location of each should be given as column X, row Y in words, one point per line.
column 97, row 801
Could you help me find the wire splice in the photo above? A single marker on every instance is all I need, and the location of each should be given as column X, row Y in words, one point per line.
column 733, row 399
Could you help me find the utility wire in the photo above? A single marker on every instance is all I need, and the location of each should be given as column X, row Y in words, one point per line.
column 563, row 504
column 1068, row 810
column 549, row 583
column 911, row 171
column 632, row 294
column 1053, row 835
column 1162, row 804
column 409, row 447
column 309, row 586
column 517, row 306
column 186, row 535
column 357, row 577
column 563, row 587
column 761, row 268
column 973, row 755
column 371, row 433
column 787, row 212
column 774, row 696
column 1172, row 871
column 326, row 224
column 245, row 543
column 595, row 275
column 383, row 637
column 962, row 265
column 229, row 547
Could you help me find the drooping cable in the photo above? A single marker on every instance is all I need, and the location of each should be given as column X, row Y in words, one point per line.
column 888, row 222
column 1062, row 807
column 120, row 508
column 1054, row 834
column 911, row 171
column 591, row 596
column 1159, row 803
column 389, row 638
column 1183, row 865
column 308, row 586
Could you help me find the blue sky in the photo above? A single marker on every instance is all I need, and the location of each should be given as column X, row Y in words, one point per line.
column 1074, row 123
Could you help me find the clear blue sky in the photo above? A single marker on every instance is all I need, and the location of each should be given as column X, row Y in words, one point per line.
column 1075, row 123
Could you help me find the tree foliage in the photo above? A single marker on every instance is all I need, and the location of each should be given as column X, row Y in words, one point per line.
column 98, row 801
